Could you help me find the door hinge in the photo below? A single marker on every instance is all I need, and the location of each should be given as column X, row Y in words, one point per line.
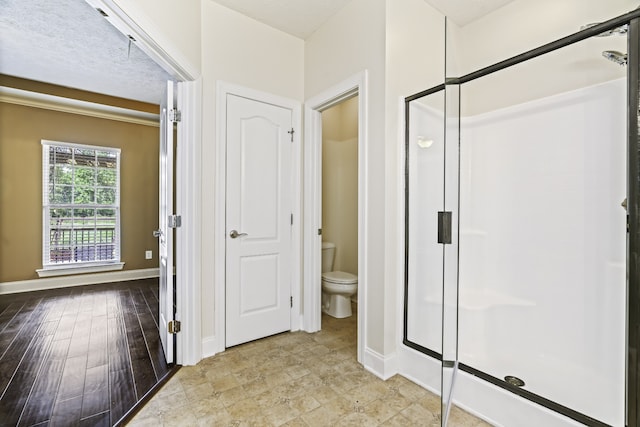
column 175, row 115
column 174, row 221
column 291, row 219
column 291, row 132
column 291, row 302
column 319, row 231
column 174, row 326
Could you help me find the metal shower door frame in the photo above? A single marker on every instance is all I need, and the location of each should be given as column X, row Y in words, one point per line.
column 633, row 213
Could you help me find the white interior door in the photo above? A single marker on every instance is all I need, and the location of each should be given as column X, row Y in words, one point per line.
column 165, row 233
column 258, row 216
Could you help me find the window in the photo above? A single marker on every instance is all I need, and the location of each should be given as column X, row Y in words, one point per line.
column 81, row 206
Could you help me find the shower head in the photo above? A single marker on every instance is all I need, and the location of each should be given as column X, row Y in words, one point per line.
column 615, row 56
column 618, row 31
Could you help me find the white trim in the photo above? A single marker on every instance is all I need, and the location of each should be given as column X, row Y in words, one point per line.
column 312, row 216
column 223, row 89
column 63, row 144
column 162, row 50
column 79, row 280
column 219, row 226
column 75, row 106
column 66, row 270
column 148, row 37
column 355, row 85
column 382, row 366
column 188, row 240
column 209, row 346
column 49, row 267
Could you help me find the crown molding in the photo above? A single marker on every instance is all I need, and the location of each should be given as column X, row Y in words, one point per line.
column 74, row 106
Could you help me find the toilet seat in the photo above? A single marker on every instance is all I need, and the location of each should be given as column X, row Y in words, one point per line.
column 340, row 277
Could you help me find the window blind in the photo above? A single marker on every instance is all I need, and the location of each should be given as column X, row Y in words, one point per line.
column 81, row 204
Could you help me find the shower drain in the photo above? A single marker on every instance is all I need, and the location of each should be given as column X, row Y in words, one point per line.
column 514, row 381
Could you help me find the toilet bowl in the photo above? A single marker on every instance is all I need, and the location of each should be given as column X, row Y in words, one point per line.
column 337, row 289
column 337, row 286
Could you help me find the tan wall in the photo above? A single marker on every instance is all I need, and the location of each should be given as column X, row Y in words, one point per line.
column 21, row 129
column 340, row 183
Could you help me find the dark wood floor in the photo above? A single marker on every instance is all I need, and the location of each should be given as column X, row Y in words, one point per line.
column 79, row 356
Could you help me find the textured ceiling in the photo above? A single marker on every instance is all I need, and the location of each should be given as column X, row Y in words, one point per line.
column 68, row 43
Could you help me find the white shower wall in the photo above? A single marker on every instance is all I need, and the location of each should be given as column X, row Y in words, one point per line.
column 542, row 250
column 542, row 247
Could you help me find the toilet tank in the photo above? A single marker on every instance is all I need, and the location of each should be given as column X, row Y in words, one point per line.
column 328, row 252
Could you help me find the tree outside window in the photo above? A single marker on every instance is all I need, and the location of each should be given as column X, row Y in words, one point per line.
column 81, row 204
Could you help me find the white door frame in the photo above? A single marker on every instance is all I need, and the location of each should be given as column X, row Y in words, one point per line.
column 220, row 232
column 355, row 85
column 187, row 175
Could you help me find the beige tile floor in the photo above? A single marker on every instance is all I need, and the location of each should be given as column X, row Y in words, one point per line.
column 293, row 379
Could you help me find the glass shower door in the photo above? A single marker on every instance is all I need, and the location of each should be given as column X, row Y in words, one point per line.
column 542, row 230
column 431, row 236
column 424, row 266
column 516, row 280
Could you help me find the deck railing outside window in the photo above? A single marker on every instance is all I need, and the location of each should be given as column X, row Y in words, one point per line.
column 81, row 204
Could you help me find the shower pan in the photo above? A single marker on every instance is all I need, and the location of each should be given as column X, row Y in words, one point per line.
column 521, row 285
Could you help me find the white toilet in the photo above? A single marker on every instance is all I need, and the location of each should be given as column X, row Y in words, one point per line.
column 337, row 286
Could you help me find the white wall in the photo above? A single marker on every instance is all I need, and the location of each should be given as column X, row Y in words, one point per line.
column 351, row 41
column 401, row 44
column 414, row 61
column 524, row 25
column 239, row 50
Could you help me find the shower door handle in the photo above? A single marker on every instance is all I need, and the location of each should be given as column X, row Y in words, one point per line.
column 444, row 228
column 234, row 234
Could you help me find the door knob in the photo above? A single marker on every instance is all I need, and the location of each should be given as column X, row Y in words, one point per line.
column 234, row 234
column 157, row 233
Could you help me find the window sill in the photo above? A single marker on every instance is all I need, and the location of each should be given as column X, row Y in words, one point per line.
column 65, row 270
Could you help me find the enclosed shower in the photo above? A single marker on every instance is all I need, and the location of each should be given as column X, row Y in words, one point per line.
column 522, row 226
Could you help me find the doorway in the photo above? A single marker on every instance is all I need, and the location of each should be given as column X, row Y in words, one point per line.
column 340, row 198
column 188, row 342
column 349, row 88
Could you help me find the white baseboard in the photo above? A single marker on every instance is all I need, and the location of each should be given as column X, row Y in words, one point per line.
column 78, row 280
column 209, row 347
column 383, row 367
